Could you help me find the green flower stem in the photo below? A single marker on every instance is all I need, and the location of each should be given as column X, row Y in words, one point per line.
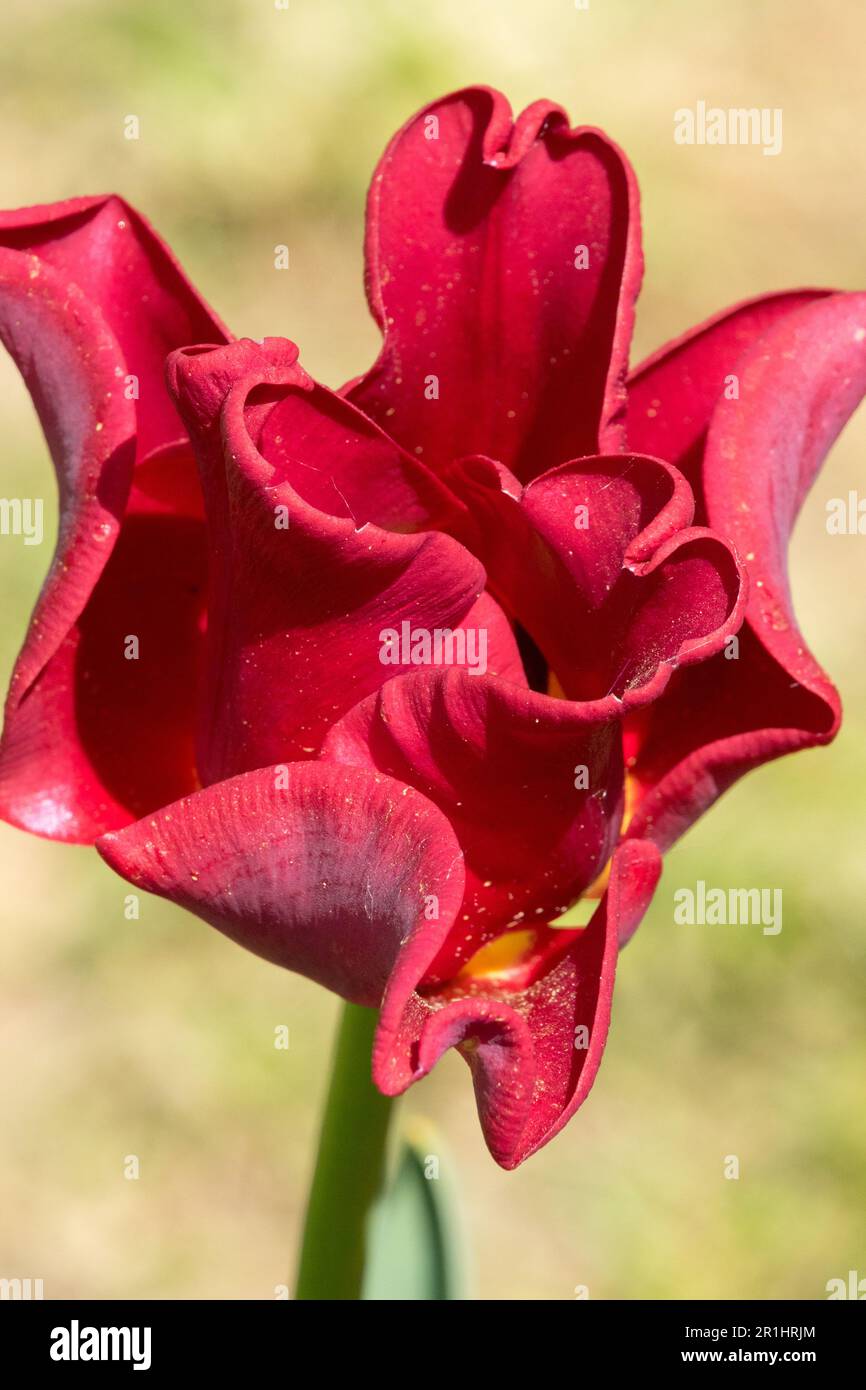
column 350, row 1167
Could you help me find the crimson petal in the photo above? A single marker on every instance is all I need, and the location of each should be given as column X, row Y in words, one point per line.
column 90, row 302
column 673, row 393
column 530, row 1069
column 118, row 262
column 297, row 612
column 329, row 870
column 475, row 224
column 321, row 869
column 531, row 785
column 798, row 386
column 606, row 541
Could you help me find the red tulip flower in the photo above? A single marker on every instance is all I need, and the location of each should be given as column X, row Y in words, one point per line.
column 420, row 663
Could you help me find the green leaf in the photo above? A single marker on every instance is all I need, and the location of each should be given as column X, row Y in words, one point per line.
column 415, row 1248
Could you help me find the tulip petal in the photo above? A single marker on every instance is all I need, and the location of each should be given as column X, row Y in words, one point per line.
column 344, row 465
column 330, row 870
column 324, row 870
column 673, row 393
column 606, row 541
column 798, row 386
column 119, row 263
column 297, row 612
column 498, row 338
column 531, row 785
column 525, row 1048
column 90, row 302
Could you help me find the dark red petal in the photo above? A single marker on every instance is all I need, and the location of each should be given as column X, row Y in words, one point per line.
column 344, row 465
column 89, row 299
column 329, row 871
column 119, row 263
column 798, row 386
column 68, row 358
column 502, row 763
column 691, row 601
column 324, row 870
column 136, row 719
column 472, row 238
column 529, row 1076
column 673, row 393
column 618, row 602
column 296, row 614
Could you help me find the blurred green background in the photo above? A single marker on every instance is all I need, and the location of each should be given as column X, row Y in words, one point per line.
column 261, row 126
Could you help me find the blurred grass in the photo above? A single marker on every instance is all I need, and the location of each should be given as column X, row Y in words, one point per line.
column 155, row 1037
